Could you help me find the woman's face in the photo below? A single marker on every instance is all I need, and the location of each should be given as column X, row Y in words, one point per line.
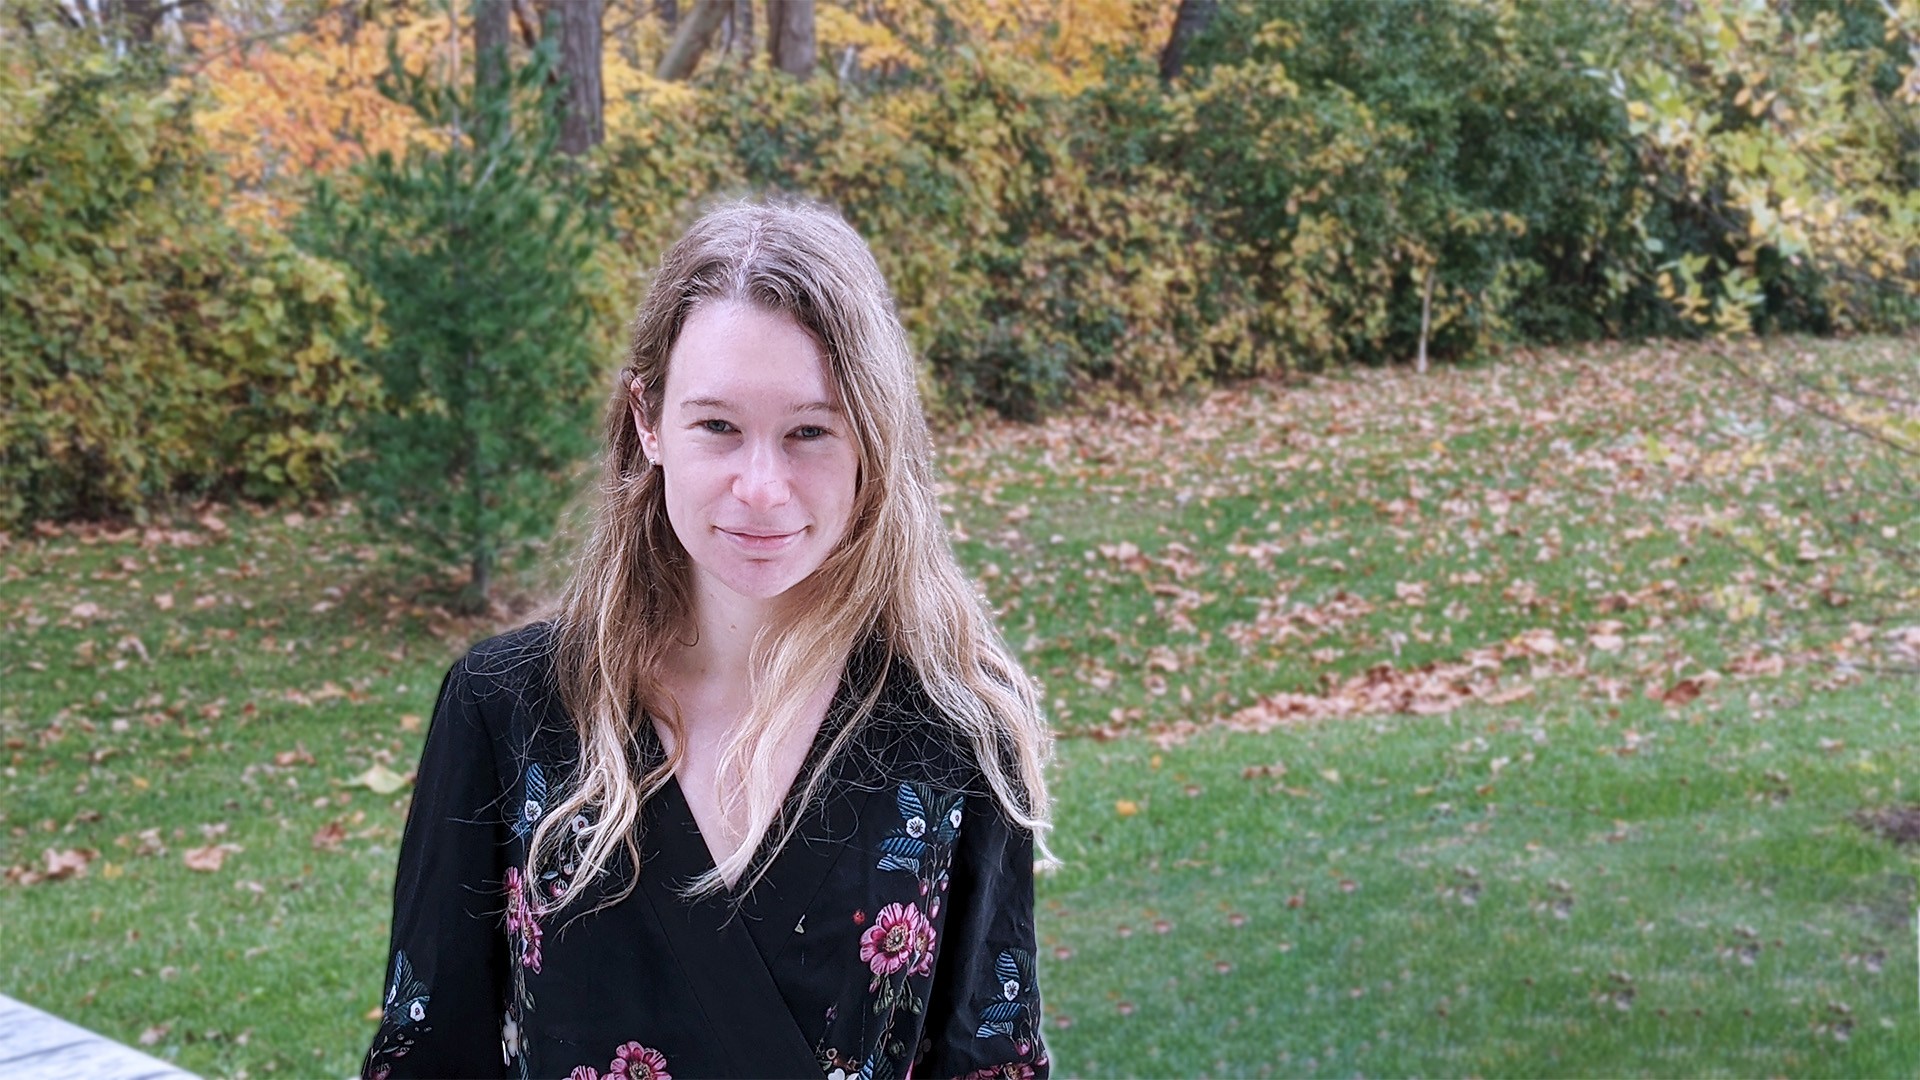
column 759, row 460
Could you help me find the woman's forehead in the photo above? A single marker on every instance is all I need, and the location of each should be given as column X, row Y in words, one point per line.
column 738, row 355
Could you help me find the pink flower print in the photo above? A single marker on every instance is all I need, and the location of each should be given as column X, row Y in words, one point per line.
column 521, row 922
column 530, row 947
column 922, row 948
column 584, row 1072
column 636, row 1062
column 1012, row 1070
column 519, row 912
column 901, row 937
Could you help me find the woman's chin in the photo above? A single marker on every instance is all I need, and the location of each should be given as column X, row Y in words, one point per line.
column 762, row 580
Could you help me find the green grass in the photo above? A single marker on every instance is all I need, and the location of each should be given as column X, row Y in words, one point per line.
column 1399, row 922
column 1700, row 905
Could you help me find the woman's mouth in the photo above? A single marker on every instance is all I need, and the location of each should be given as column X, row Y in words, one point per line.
column 760, row 541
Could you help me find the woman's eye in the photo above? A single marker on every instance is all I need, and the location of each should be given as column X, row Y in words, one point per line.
column 718, row 427
column 809, row 432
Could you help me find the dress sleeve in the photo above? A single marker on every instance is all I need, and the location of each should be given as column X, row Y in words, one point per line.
column 447, row 964
column 983, row 1012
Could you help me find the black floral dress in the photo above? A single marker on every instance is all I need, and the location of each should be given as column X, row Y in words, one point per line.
column 892, row 936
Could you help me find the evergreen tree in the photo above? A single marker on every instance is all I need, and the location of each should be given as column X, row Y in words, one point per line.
column 475, row 247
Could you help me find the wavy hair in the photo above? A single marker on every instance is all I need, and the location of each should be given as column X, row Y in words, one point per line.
column 892, row 578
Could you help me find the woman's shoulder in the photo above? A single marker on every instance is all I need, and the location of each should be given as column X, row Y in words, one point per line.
column 516, row 667
column 910, row 738
column 515, row 657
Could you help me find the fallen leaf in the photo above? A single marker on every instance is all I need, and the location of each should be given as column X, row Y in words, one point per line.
column 1126, row 807
column 329, row 836
column 70, row 863
column 1689, row 688
column 210, row 858
column 379, row 779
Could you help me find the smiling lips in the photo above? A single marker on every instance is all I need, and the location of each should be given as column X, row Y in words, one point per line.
column 756, row 540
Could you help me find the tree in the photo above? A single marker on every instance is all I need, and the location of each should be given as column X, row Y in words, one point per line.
column 737, row 35
column 583, row 125
column 1189, row 23
column 492, row 31
column 697, row 27
column 790, row 40
column 475, row 247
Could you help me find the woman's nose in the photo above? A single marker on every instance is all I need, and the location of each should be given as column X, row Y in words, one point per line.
column 765, row 479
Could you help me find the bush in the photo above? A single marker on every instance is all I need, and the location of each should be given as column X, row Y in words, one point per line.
column 147, row 347
column 1037, row 245
column 1276, row 210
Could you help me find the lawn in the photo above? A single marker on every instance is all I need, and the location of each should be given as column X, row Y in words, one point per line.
column 1508, row 720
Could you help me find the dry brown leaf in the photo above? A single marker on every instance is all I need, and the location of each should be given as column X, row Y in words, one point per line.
column 69, row 863
column 210, row 858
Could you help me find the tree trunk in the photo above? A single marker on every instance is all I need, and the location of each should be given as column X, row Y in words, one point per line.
column 141, row 18
column 480, row 581
column 1188, row 22
column 668, row 12
column 492, row 30
column 737, row 38
column 194, row 17
column 581, row 126
column 790, row 40
column 528, row 21
column 1426, row 319
column 697, row 27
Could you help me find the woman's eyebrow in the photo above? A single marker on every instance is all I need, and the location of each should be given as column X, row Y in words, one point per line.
column 725, row 405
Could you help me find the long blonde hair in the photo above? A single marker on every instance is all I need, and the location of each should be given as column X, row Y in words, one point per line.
column 893, row 578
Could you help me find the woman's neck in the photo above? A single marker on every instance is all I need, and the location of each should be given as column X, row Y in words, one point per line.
column 727, row 626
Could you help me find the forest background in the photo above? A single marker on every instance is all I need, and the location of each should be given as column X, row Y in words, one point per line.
column 272, row 273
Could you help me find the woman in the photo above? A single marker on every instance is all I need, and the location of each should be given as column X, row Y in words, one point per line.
column 771, row 690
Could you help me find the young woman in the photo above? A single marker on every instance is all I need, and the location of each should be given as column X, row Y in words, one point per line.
column 763, row 797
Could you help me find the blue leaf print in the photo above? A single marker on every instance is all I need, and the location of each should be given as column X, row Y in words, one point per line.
column 403, row 1014
column 1007, row 968
column 910, row 803
column 999, row 1018
column 533, row 801
column 1012, row 1011
column 902, row 853
column 923, row 844
column 407, row 996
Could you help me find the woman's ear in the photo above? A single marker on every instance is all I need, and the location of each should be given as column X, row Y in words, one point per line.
column 649, row 439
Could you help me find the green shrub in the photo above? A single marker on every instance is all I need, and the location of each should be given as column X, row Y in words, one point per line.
column 1477, row 139
column 147, row 347
column 1038, row 246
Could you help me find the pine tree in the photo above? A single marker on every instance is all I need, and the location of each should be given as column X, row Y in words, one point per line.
column 474, row 246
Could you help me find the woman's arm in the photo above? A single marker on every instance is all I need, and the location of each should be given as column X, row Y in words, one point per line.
column 983, row 1012
column 446, row 967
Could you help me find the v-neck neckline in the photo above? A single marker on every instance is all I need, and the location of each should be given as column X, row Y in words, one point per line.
column 829, row 725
